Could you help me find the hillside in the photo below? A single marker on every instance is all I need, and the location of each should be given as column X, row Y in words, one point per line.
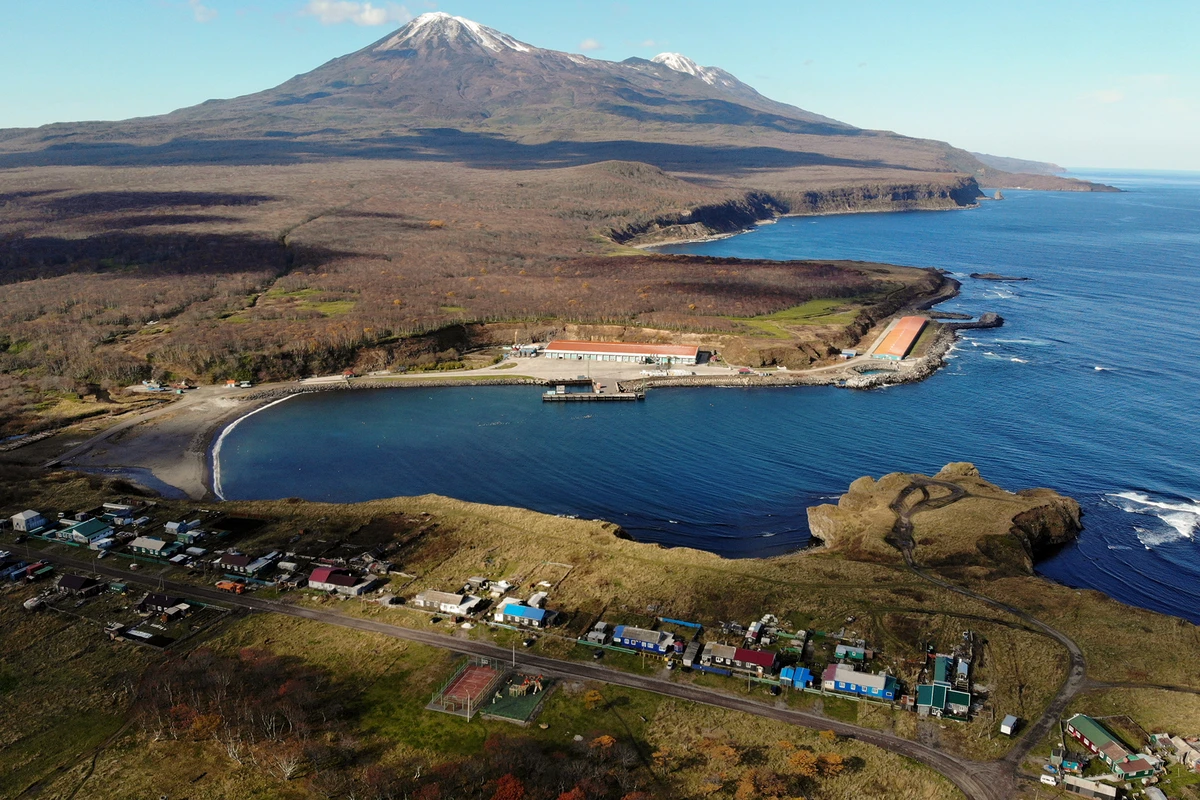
column 444, row 88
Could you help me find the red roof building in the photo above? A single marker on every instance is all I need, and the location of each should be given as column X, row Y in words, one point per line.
column 336, row 579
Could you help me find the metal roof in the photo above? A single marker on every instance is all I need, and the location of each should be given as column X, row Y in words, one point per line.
column 760, row 658
column 622, row 348
column 931, row 695
column 147, row 543
column 89, row 528
column 902, row 337
column 525, row 612
column 844, row 674
column 639, row 634
column 1092, row 730
column 442, row 597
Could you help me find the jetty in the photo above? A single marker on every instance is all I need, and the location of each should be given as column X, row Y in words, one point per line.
column 559, row 394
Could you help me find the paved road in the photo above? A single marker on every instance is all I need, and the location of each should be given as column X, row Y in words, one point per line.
column 1077, row 676
column 977, row 780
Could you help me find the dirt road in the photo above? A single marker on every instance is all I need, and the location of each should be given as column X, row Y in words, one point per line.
column 977, row 780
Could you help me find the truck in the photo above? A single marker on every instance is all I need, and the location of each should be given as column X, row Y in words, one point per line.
column 231, row 586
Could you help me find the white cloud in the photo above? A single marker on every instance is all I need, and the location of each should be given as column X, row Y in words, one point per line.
column 589, row 44
column 335, row 12
column 649, row 43
column 1105, row 96
column 201, row 12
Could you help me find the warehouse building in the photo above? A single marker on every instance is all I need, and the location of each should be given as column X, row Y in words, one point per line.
column 900, row 338
column 627, row 352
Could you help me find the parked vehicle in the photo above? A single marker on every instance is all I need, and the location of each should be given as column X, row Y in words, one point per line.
column 231, row 586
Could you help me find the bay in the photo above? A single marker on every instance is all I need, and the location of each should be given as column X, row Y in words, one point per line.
column 1090, row 388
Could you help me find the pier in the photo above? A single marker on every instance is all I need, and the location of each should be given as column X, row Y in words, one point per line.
column 583, row 397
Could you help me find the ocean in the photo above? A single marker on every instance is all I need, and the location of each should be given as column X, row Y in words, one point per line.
column 1089, row 388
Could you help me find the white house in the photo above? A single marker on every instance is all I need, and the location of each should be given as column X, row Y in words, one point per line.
column 334, row 579
column 28, row 521
column 87, row 532
column 447, row 603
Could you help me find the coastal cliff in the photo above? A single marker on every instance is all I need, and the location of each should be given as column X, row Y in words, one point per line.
column 754, row 207
column 954, row 519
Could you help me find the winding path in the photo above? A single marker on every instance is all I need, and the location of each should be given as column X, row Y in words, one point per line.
column 902, row 538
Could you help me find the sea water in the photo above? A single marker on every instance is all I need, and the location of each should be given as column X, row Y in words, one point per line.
column 1089, row 388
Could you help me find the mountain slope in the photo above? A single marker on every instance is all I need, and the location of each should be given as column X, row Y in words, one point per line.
column 446, row 88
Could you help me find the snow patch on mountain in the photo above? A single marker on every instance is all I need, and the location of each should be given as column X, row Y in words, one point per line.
column 439, row 24
column 681, row 63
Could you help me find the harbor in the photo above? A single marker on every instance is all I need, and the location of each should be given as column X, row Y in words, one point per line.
column 595, row 393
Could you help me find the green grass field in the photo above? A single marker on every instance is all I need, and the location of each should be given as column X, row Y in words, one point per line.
column 835, row 311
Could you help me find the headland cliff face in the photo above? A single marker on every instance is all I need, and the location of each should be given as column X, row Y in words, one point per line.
column 733, row 216
column 952, row 519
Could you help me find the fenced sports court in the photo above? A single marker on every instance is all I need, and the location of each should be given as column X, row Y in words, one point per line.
column 470, row 687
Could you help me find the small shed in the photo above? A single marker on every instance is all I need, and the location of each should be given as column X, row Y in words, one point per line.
column 600, row 633
column 1008, row 725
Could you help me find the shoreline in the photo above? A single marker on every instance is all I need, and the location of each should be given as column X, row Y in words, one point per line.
column 716, row 237
column 834, row 375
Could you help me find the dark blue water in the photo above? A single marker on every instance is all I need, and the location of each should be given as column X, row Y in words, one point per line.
column 1090, row 388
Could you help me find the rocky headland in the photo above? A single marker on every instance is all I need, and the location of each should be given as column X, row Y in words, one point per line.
column 953, row 519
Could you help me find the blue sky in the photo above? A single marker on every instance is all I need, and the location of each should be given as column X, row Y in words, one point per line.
column 1085, row 84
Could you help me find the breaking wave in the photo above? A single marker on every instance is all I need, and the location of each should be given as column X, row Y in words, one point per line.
column 1180, row 518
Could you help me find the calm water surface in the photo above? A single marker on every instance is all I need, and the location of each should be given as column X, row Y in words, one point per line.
column 1090, row 388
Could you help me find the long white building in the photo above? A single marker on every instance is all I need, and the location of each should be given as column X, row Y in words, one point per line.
column 622, row 351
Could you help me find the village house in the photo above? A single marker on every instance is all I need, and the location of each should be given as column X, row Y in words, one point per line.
column 798, row 677
column 852, row 653
column 153, row 547
column 86, row 532
column 156, row 603
column 1178, row 749
column 758, row 662
column 1100, row 741
column 659, row 642
column 447, row 603
column 28, row 521
column 516, row 613
column 938, row 699
column 235, row 562
column 338, row 580
column 843, row 678
column 78, row 585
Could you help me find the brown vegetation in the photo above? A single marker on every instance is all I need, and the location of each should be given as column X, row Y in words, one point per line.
column 114, row 276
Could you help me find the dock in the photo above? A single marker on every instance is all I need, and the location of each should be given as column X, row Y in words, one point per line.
column 583, row 397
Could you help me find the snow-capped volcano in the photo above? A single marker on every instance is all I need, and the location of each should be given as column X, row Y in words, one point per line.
column 440, row 28
column 713, row 76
